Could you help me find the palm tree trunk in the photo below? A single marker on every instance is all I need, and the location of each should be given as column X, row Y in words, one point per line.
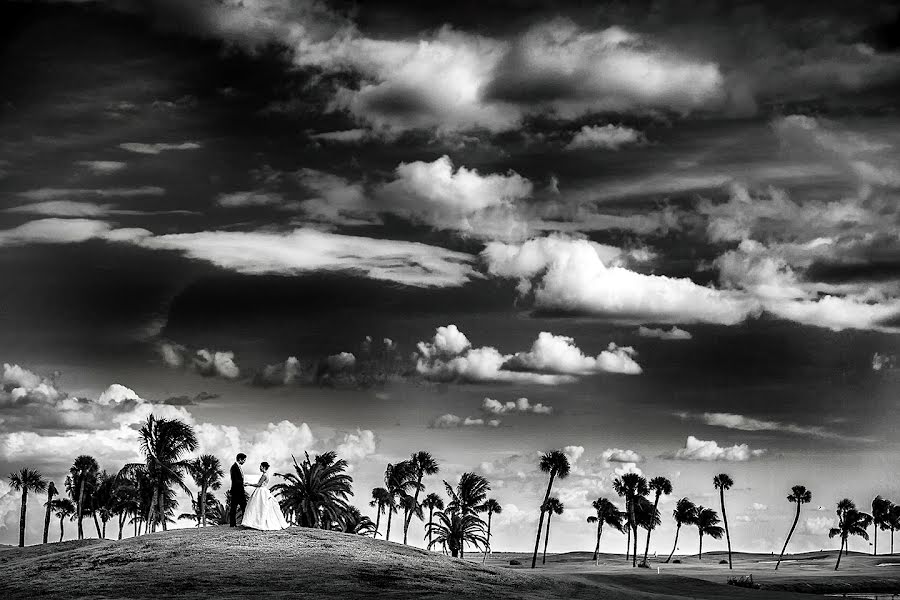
column 387, row 534
column 409, row 514
column 790, row 533
column 875, row 546
column 633, row 517
column 547, row 537
column 599, row 533
column 892, row 540
column 487, row 546
column 203, row 505
column 838, row 563
column 628, row 544
column 377, row 521
column 121, row 524
column 635, row 542
column 700, row 552
column 104, row 529
column 47, row 516
column 161, row 509
column 537, row 541
column 22, row 518
column 647, row 547
column 97, row 524
column 725, row 521
column 430, row 521
column 79, row 506
column 62, row 530
column 675, row 545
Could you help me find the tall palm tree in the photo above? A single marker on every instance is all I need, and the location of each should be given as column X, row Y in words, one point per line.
column 659, row 486
column 83, row 479
column 491, row 507
column 881, row 518
column 551, row 507
column 607, row 514
column 206, row 471
column 126, row 501
column 646, row 515
column 318, row 491
column 469, row 495
column 454, row 529
column 685, row 513
column 853, row 522
column 707, row 523
column 64, row 509
column 556, row 464
column 723, row 482
column 842, row 507
column 380, row 500
column 895, row 523
column 399, row 480
column 103, row 499
column 422, row 464
column 410, row 508
column 26, row 480
column 432, row 502
column 51, row 491
column 799, row 495
column 631, row 486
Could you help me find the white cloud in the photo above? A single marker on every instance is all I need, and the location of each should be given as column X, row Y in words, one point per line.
column 522, row 405
column 343, row 136
column 758, row 506
column 450, row 421
column 341, row 361
column 249, row 198
column 628, row 467
column 606, row 137
column 46, row 194
column 621, row 456
column 356, row 446
column 559, row 354
column 817, row 525
column 67, row 231
column 675, row 333
column 696, row 449
column 102, row 167
column 64, row 208
column 573, row 453
column 744, row 423
column 882, row 361
column 215, row 363
column 141, row 148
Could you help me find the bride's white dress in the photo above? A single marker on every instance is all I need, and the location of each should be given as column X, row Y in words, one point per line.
column 263, row 511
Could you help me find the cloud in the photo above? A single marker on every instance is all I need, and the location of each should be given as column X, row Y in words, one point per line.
column 102, row 167
column 208, row 363
column 696, row 449
column 606, row 137
column 522, row 405
column 341, row 361
column 744, row 423
column 621, row 456
column 335, row 199
column 344, row 136
column 573, row 275
column 285, row 373
column 308, row 250
column 559, row 354
column 758, row 506
column 449, row 421
column 142, row 148
column 46, row 194
column 882, row 361
column 675, row 333
column 64, row 208
column 356, row 446
column 817, row 525
column 249, row 198
column 67, row 231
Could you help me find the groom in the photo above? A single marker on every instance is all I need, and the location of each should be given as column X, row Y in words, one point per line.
column 238, row 496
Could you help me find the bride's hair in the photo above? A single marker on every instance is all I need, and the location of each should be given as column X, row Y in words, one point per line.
column 264, row 465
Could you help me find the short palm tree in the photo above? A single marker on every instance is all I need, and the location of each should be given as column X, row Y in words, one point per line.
column 83, row 479
column 380, row 500
column 799, row 495
column 432, row 502
column 607, row 514
column 454, row 530
column 551, row 507
column 646, row 515
column 410, row 508
column 51, row 491
column 26, row 480
column 491, row 507
column 358, row 523
column 318, row 491
column 422, row 464
column 895, row 523
column 469, row 495
column 556, row 464
column 842, row 507
column 853, row 522
column 659, row 486
column 685, row 513
column 881, row 518
column 399, row 480
column 723, row 482
column 207, row 473
column 63, row 509
column 631, row 486
column 707, row 523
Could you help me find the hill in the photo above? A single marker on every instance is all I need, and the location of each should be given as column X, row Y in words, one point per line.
column 228, row 563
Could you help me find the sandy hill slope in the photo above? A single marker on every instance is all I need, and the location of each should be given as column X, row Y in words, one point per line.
column 303, row 563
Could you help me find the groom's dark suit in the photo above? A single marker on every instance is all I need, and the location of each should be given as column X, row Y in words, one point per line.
column 238, row 495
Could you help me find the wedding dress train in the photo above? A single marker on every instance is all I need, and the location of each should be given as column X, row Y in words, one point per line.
column 263, row 511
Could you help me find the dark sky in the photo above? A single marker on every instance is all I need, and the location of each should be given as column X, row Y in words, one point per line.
column 673, row 223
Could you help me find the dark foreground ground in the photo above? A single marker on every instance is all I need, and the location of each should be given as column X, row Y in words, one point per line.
column 303, row 563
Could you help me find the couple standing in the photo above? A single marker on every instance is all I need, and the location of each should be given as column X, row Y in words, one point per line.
column 261, row 511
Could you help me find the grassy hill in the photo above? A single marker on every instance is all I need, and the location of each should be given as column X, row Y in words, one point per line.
column 239, row 563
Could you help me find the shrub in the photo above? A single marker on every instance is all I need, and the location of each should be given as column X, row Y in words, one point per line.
column 744, row 581
column 676, row 561
column 723, row 562
column 515, row 562
column 643, row 565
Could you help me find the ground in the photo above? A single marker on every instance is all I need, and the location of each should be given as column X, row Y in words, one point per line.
column 303, row 563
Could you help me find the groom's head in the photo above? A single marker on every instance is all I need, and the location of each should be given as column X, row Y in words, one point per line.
column 241, row 458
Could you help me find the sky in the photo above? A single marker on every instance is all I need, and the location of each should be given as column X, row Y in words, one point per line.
column 659, row 235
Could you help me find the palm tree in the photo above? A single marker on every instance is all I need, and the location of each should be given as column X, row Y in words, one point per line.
column 607, row 514
column 895, row 523
column 646, row 515
column 685, row 513
column 380, row 500
column 853, row 522
column 842, row 507
column 556, row 464
column 207, row 473
column 103, row 499
column 318, row 492
column 707, row 523
column 723, row 482
column 83, row 474
column 433, row 502
column 631, row 486
column 64, row 509
column 491, row 507
column 881, row 518
column 412, row 508
column 51, row 491
column 199, row 509
column 126, row 501
column 422, row 464
column 358, row 523
column 799, row 495
column 399, row 479
column 551, row 507
column 469, row 495
column 660, row 486
column 26, row 480
column 454, row 529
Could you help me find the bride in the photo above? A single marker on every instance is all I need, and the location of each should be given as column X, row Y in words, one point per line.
column 263, row 511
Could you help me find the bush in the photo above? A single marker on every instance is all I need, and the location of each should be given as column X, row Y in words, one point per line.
column 723, row 562
column 744, row 581
column 643, row 565
column 515, row 562
column 676, row 561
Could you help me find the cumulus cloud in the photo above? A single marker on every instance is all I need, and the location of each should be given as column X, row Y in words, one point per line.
column 284, row 373
column 450, row 421
column 357, row 445
column 675, row 333
column 522, row 405
column 102, row 167
column 701, row 450
column 209, row 363
column 817, row 525
column 606, row 137
column 67, row 231
column 621, row 456
column 341, row 361
column 142, row 148
column 559, row 354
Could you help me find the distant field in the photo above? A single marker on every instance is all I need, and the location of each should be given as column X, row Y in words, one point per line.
column 225, row 563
